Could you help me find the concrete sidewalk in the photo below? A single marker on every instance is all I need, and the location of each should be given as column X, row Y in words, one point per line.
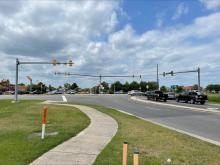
column 85, row 147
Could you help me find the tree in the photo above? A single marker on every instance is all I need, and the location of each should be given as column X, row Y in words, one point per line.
column 105, row 87
column 95, row 89
column 51, row 88
column 179, row 89
column 126, row 87
column 213, row 87
column 134, row 86
column 74, row 86
column 163, row 89
column 67, row 86
column 39, row 87
column 118, row 86
column 152, row 85
column 143, row 85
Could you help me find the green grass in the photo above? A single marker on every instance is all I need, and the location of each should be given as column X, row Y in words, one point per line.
column 155, row 143
column 20, row 121
column 215, row 98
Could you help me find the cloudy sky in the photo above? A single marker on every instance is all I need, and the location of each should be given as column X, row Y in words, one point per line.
column 111, row 38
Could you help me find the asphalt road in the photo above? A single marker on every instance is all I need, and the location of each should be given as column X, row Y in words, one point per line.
column 203, row 124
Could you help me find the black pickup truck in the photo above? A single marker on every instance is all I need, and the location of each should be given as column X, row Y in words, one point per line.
column 156, row 96
column 192, row 97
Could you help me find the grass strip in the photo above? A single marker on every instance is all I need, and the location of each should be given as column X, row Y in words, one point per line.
column 155, row 143
column 214, row 98
column 21, row 122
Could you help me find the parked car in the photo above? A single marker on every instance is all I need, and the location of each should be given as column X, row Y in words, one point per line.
column 156, row 96
column 35, row 92
column 59, row 92
column 192, row 97
column 71, row 92
column 135, row 93
column 23, row 92
column 171, row 96
column 119, row 92
column 9, row 92
column 0, row 92
column 51, row 92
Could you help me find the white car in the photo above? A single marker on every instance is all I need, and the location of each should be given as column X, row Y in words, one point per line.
column 171, row 95
column 135, row 93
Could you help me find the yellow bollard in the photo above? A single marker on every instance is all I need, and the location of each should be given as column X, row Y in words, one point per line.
column 125, row 153
column 136, row 157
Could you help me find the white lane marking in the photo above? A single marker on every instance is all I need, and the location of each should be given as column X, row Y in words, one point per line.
column 178, row 106
column 210, row 108
column 64, row 98
column 172, row 128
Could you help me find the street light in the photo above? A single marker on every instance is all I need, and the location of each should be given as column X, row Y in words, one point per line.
column 30, row 79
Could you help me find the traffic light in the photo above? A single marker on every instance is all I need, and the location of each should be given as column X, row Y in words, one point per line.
column 70, row 63
column 164, row 74
column 54, row 62
column 171, row 73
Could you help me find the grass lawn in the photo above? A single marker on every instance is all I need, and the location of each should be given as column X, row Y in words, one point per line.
column 19, row 123
column 215, row 98
column 156, row 144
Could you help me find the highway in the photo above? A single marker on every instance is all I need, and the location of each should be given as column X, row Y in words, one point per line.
column 203, row 124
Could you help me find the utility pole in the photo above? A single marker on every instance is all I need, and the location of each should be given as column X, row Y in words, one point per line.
column 140, row 83
column 41, row 88
column 158, row 77
column 199, row 89
column 100, row 83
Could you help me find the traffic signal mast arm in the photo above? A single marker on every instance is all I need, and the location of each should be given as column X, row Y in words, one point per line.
column 54, row 62
column 88, row 75
column 172, row 73
column 189, row 71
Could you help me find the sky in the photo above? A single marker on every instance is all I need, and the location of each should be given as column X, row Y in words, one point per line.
column 111, row 37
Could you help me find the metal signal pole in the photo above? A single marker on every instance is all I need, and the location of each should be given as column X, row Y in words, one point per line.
column 158, row 77
column 16, row 81
column 54, row 62
column 189, row 71
column 100, row 83
column 199, row 88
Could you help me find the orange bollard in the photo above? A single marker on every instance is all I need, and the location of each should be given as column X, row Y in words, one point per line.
column 125, row 153
column 45, row 109
column 136, row 157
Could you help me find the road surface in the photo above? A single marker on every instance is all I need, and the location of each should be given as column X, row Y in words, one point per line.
column 203, row 124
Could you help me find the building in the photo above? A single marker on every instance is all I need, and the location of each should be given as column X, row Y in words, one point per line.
column 23, row 88
column 6, row 86
column 188, row 88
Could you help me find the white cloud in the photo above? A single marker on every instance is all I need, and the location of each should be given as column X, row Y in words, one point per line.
column 211, row 4
column 181, row 10
column 85, row 32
